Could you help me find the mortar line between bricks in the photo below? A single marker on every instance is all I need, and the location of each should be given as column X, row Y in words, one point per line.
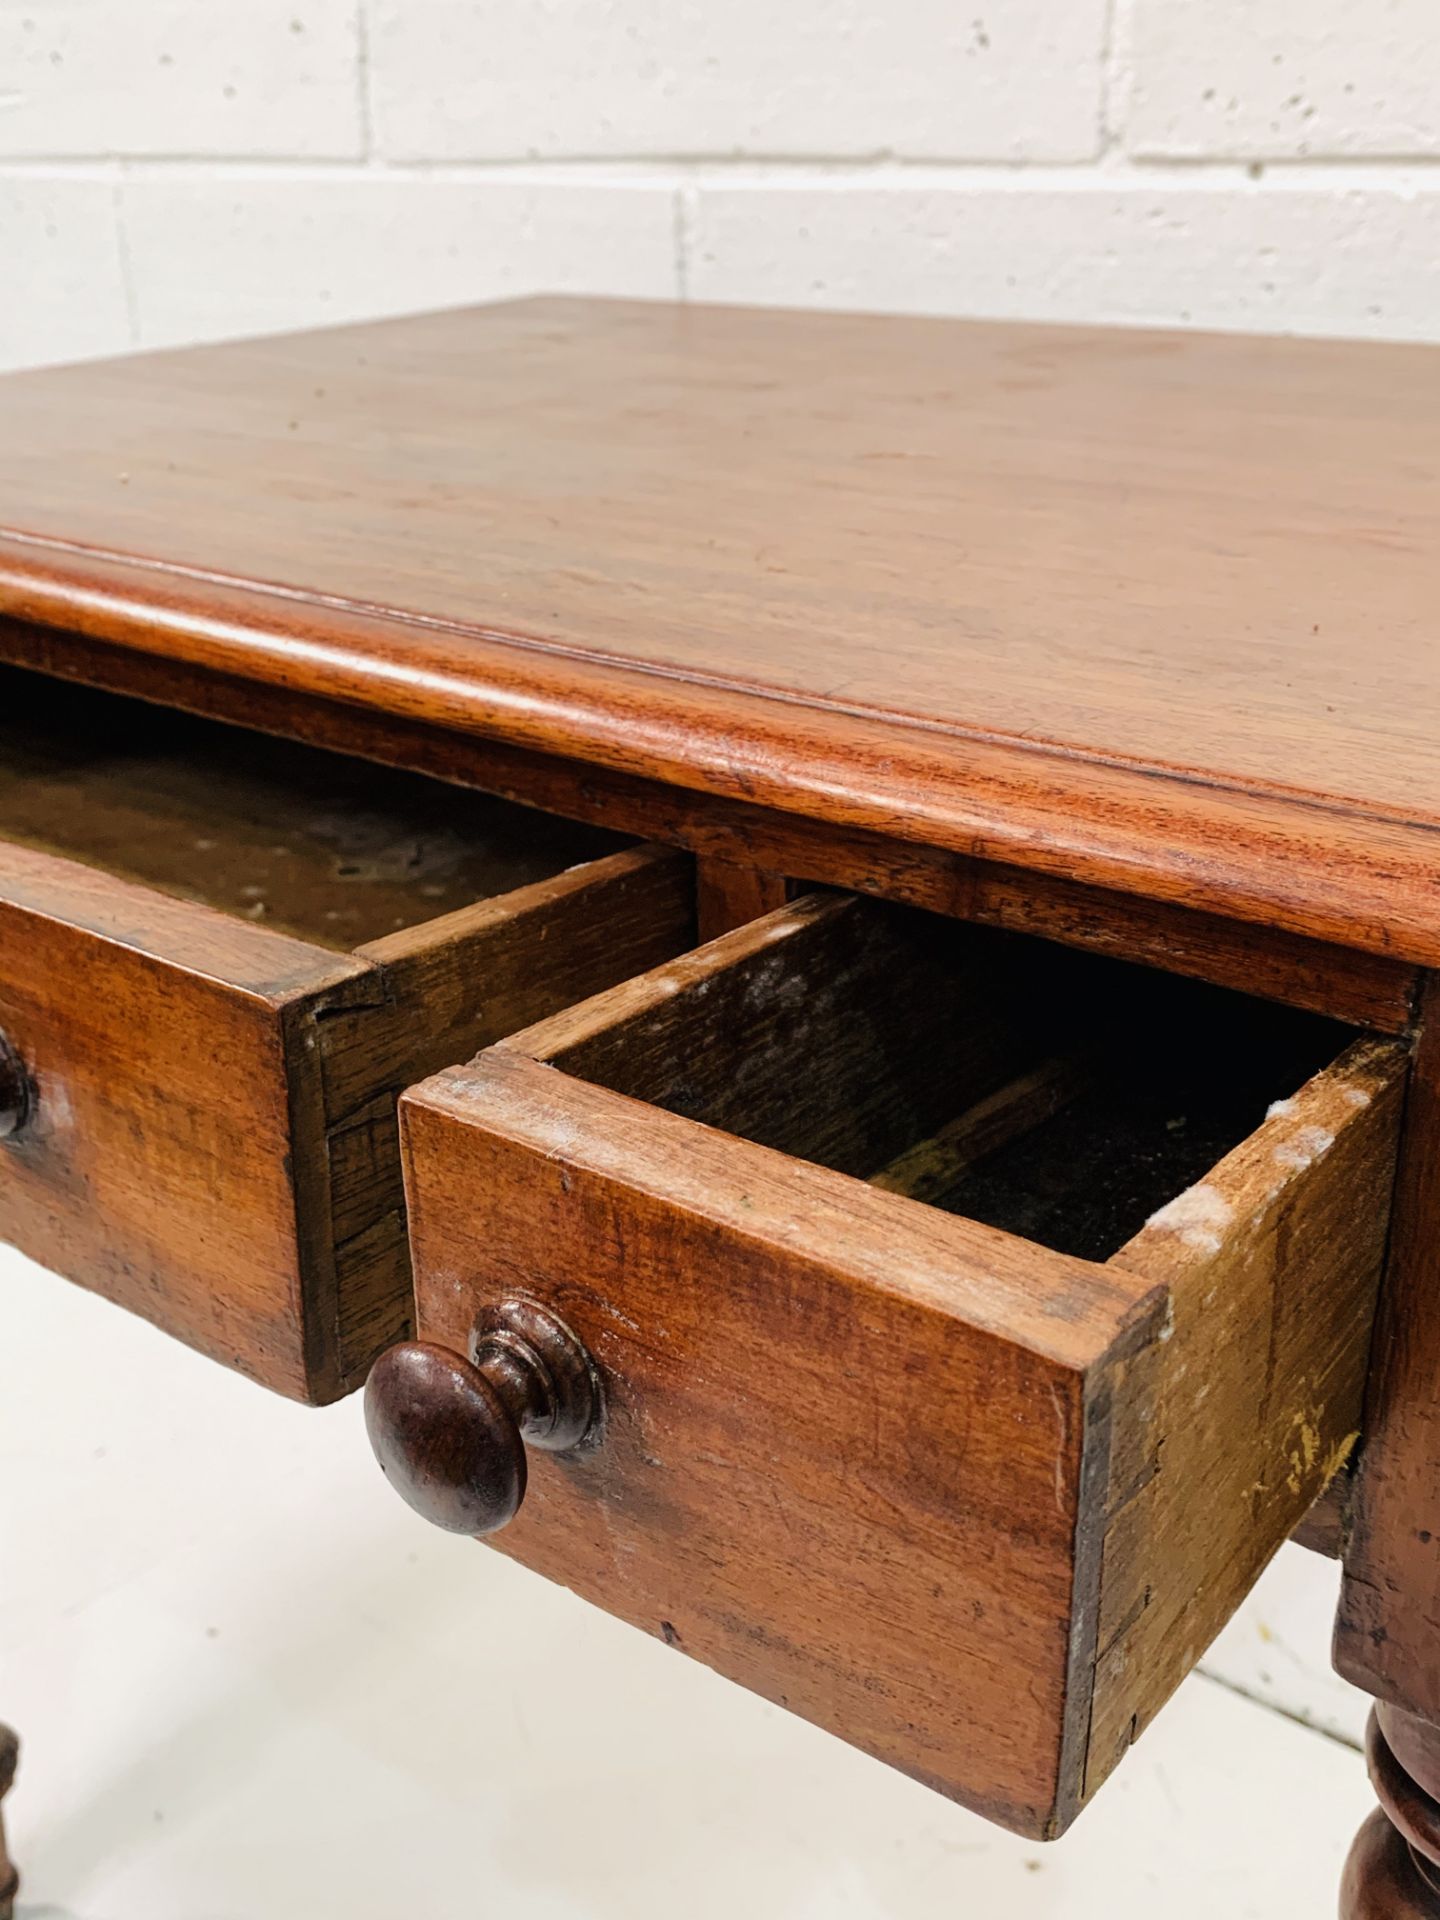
column 1108, row 135
column 683, row 224
column 365, row 106
column 1313, row 171
column 129, row 293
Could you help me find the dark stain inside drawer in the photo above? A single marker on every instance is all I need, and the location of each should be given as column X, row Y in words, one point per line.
column 1086, row 1180
column 1169, row 1076
column 1060, row 1095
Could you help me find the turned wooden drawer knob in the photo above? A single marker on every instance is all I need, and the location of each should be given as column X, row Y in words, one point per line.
column 15, row 1095
column 450, row 1434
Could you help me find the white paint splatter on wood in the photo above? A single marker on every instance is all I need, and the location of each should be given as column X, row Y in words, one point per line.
column 1198, row 1216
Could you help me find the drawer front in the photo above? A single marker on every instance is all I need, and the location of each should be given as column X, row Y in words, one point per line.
column 164, row 1046
column 210, row 1135
column 974, row 1502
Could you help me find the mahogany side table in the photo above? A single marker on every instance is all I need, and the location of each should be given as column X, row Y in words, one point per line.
column 813, row 939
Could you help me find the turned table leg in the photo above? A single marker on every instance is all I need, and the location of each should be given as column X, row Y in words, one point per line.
column 1393, row 1872
column 9, row 1878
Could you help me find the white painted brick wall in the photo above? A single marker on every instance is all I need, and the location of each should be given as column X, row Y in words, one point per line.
column 953, row 79
column 261, row 253
column 197, row 77
column 62, row 281
column 182, row 169
column 1285, row 79
column 1271, row 257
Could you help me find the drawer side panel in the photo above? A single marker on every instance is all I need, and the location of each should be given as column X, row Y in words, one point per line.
column 1229, row 1427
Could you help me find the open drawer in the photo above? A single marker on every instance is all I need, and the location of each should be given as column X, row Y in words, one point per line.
column 221, row 958
column 973, row 1318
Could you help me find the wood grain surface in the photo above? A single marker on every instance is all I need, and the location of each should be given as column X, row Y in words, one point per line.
column 1145, row 610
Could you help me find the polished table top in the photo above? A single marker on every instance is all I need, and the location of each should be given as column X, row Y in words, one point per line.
column 1152, row 610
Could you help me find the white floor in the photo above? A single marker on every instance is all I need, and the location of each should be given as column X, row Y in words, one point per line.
column 251, row 1686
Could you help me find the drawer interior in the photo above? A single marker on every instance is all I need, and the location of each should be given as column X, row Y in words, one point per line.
column 1060, row 1096
column 332, row 850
